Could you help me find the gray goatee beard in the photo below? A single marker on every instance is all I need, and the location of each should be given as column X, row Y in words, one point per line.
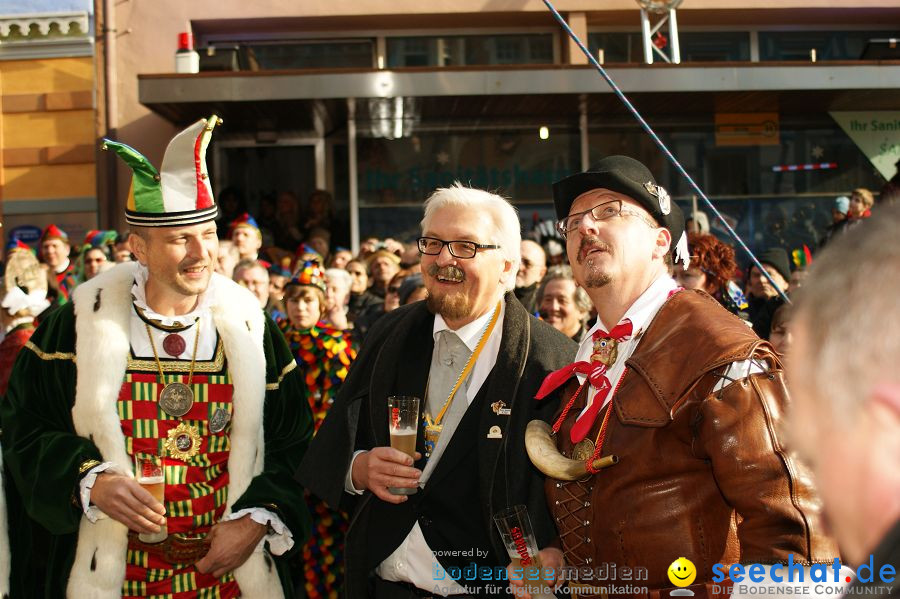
column 453, row 305
column 593, row 279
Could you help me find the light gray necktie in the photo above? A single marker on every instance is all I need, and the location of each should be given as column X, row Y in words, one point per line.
column 447, row 362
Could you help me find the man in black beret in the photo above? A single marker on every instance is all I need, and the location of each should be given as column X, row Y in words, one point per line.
column 762, row 298
column 667, row 429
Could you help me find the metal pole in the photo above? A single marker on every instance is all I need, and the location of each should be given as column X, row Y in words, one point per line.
column 673, row 34
column 583, row 132
column 111, row 107
column 695, row 226
column 645, row 31
column 354, row 183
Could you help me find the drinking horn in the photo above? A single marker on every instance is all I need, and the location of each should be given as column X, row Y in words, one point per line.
column 542, row 451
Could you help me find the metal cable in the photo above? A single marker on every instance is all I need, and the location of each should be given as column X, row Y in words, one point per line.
column 662, row 146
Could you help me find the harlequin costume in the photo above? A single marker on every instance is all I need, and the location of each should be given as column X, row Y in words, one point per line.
column 323, row 355
column 89, row 381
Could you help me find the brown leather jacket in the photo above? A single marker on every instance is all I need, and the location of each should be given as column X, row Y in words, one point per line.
column 702, row 475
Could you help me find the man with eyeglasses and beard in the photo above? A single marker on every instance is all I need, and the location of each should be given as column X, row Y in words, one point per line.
column 667, row 437
column 475, row 357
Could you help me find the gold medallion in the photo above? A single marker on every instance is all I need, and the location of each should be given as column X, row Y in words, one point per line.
column 432, row 434
column 183, row 442
column 176, row 399
column 583, row 450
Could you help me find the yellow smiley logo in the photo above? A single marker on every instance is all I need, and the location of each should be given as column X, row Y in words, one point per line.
column 682, row 572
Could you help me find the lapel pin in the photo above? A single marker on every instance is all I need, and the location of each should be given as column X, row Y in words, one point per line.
column 500, row 408
column 495, row 433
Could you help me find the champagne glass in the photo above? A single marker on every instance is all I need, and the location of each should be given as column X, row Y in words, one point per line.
column 403, row 426
column 518, row 538
column 149, row 472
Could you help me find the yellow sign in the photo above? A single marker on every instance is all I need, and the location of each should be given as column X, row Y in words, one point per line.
column 747, row 129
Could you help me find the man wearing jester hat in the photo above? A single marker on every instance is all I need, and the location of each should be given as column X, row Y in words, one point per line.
column 161, row 360
column 55, row 248
column 667, row 441
column 246, row 237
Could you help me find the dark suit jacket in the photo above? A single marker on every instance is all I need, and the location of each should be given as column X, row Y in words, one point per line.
column 395, row 360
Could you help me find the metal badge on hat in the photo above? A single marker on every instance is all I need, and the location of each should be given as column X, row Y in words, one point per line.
column 658, row 192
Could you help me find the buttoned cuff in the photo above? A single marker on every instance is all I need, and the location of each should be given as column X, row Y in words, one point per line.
column 348, row 480
column 279, row 536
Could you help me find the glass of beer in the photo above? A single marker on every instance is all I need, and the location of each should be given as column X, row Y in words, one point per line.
column 148, row 470
column 518, row 538
column 403, row 426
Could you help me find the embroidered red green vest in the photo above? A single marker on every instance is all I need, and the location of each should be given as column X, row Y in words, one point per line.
column 196, row 489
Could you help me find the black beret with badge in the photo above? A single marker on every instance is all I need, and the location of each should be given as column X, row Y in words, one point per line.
column 627, row 176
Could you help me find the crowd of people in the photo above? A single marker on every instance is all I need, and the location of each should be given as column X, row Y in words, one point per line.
column 285, row 359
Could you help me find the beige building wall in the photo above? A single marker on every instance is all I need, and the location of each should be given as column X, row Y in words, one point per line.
column 47, row 135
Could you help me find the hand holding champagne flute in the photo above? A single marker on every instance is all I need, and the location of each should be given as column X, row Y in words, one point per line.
column 521, row 545
column 403, row 426
column 149, row 473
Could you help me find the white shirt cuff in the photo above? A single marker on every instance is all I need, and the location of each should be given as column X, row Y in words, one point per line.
column 348, row 480
column 280, row 541
column 92, row 512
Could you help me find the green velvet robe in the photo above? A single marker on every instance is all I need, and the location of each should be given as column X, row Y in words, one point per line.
column 54, row 394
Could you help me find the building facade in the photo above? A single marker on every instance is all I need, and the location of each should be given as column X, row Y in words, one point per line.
column 379, row 103
column 47, row 120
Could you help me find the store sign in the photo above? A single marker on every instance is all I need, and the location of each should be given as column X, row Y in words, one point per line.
column 26, row 234
column 877, row 134
column 747, row 129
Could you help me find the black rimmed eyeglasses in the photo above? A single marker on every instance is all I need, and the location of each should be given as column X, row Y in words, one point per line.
column 459, row 248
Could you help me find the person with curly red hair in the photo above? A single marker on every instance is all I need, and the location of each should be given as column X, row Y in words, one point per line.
column 712, row 267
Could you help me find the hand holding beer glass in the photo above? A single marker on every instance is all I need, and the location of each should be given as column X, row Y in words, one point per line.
column 403, row 426
column 518, row 538
column 149, row 473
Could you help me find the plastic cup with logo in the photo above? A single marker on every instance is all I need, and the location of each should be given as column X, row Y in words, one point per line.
column 403, row 427
column 518, row 538
column 148, row 470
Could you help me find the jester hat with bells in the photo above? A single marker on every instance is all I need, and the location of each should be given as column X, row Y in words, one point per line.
column 181, row 193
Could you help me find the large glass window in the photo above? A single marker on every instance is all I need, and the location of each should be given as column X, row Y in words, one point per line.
column 617, row 46
column 396, row 176
column 829, row 45
column 695, row 46
column 711, row 46
column 284, row 55
column 766, row 208
column 462, row 50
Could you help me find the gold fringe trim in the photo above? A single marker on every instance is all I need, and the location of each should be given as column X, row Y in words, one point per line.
column 49, row 356
column 87, row 465
column 284, row 372
column 181, row 366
